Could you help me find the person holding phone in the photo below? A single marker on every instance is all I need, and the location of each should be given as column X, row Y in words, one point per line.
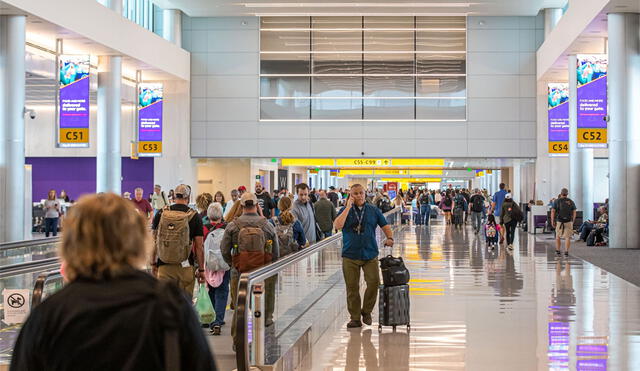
column 358, row 221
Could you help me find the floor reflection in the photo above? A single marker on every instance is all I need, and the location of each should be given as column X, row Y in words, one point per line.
column 477, row 309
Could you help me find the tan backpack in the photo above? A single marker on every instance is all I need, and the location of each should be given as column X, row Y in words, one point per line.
column 173, row 241
column 252, row 250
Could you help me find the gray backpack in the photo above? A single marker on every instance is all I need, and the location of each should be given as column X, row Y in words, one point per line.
column 286, row 240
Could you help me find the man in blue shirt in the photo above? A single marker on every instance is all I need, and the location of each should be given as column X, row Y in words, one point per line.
column 358, row 221
column 496, row 207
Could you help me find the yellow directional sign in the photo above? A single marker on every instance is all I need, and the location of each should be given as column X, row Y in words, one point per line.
column 74, row 135
column 368, row 162
column 558, row 147
column 592, row 136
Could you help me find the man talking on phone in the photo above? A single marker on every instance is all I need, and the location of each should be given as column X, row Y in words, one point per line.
column 358, row 221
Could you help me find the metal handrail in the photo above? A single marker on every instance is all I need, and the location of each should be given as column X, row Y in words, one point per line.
column 38, row 287
column 12, row 269
column 246, row 281
column 29, row 243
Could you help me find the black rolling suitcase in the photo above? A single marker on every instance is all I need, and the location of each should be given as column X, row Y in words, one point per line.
column 394, row 307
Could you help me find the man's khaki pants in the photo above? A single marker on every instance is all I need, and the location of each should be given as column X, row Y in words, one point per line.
column 183, row 277
column 351, row 271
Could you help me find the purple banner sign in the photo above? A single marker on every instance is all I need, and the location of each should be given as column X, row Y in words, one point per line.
column 558, row 118
column 73, row 101
column 150, row 119
column 592, row 100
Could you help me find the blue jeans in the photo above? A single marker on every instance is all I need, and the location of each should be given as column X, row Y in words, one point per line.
column 219, row 297
column 417, row 217
column 327, row 234
column 425, row 213
column 50, row 225
column 476, row 220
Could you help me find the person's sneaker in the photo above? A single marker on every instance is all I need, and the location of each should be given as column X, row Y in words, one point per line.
column 354, row 324
column 558, row 253
column 566, row 253
column 366, row 319
column 216, row 330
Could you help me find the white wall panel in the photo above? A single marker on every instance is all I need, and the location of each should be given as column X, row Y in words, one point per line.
column 233, row 64
column 199, row 87
column 493, row 41
column 198, row 109
column 493, row 63
column 337, row 147
column 199, row 41
column 494, row 109
column 232, row 41
column 231, row 130
column 232, row 109
column 491, row 86
column 233, row 86
column 500, row 87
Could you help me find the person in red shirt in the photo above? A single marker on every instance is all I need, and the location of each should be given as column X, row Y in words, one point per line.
column 143, row 206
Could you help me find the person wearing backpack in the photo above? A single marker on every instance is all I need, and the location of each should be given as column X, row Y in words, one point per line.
column 217, row 272
column 178, row 234
column 511, row 215
column 288, row 229
column 250, row 242
column 425, row 202
column 563, row 215
column 476, row 203
column 159, row 199
column 446, row 204
column 384, row 203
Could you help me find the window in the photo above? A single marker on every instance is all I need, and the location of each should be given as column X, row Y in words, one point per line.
column 363, row 68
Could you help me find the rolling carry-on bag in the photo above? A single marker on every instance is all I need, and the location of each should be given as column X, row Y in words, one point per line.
column 393, row 307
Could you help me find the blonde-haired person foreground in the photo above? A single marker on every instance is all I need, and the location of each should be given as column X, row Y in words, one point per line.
column 110, row 315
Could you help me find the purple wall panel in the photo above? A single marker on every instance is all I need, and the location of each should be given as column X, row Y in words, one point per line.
column 77, row 175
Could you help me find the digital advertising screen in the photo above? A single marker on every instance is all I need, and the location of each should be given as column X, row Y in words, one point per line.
column 592, row 100
column 558, row 118
column 73, row 100
column 150, row 119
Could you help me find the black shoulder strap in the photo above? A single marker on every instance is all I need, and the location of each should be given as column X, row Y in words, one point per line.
column 167, row 311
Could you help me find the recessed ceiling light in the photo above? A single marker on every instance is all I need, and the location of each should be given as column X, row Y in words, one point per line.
column 353, row 5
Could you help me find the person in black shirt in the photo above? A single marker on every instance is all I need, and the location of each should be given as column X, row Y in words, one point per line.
column 110, row 315
column 264, row 200
column 476, row 205
column 333, row 196
column 182, row 273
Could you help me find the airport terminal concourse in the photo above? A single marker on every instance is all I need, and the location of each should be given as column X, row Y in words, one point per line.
column 320, row 185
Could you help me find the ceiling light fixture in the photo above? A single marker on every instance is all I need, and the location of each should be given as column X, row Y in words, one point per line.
column 359, row 5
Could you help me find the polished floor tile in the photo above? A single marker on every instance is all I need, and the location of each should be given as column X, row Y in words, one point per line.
column 475, row 309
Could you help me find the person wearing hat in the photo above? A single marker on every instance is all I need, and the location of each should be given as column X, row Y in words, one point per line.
column 509, row 209
column 250, row 218
column 242, row 190
column 181, row 273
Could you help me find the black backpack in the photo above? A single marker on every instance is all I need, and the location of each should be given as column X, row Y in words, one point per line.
column 384, row 204
column 478, row 203
column 516, row 213
column 424, row 200
column 565, row 210
column 447, row 201
column 394, row 272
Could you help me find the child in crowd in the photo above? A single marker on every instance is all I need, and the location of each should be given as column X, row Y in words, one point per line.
column 492, row 231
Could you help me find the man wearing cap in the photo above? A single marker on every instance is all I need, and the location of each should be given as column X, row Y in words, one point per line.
column 250, row 218
column 182, row 273
column 242, row 190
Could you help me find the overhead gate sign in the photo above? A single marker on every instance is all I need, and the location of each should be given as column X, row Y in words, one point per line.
column 592, row 100
column 73, row 101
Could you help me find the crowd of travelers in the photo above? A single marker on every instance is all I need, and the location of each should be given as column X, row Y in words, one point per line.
column 210, row 241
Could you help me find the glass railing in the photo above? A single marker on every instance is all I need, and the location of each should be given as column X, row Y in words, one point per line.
column 278, row 304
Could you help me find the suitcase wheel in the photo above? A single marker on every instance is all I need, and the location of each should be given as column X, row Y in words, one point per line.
column 408, row 328
column 379, row 328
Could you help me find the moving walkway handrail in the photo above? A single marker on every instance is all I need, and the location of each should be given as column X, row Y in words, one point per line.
column 29, row 243
column 245, row 284
column 41, row 283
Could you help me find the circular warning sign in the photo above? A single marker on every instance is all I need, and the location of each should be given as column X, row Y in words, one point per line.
column 16, row 300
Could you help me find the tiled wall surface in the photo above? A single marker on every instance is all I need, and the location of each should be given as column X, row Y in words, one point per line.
column 501, row 89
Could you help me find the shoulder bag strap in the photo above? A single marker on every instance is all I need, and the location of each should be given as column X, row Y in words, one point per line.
column 170, row 342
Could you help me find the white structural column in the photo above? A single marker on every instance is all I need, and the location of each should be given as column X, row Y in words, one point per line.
column 108, row 161
column 551, row 18
column 12, row 96
column 624, row 129
column 172, row 26
column 515, row 187
column 580, row 159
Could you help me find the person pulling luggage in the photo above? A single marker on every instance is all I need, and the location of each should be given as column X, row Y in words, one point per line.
column 358, row 221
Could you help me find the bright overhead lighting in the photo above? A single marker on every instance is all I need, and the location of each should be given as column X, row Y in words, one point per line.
column 356, row 5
